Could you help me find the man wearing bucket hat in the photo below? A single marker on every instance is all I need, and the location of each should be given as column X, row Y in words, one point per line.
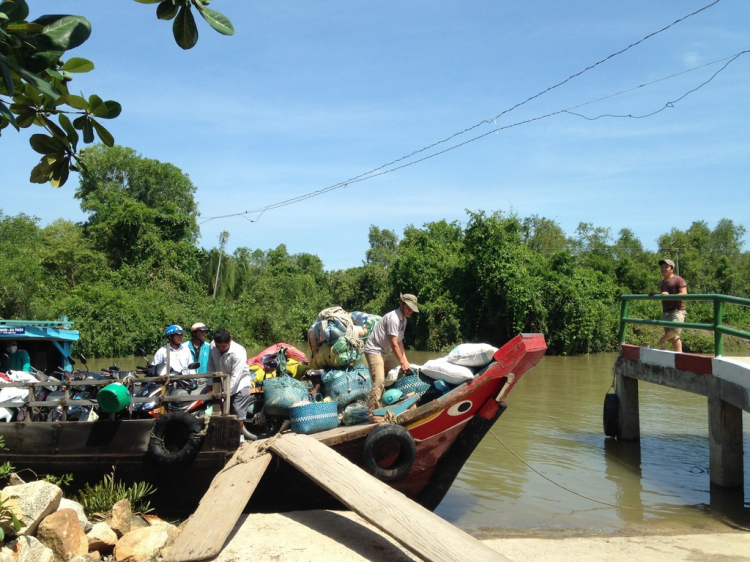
column 672, row 311
column 388, row 337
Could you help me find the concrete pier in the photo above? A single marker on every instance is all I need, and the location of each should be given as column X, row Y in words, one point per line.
column 724, row 382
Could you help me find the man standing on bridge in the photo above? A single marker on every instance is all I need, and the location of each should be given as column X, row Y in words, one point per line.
column 672, row 311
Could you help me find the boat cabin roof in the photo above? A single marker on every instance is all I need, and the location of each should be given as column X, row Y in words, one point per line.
column 48, row 342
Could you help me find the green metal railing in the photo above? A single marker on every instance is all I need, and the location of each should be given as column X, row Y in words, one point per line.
column 717, row 327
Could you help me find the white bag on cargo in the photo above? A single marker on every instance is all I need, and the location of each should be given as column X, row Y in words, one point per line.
column 443, row 370
column 472, row 354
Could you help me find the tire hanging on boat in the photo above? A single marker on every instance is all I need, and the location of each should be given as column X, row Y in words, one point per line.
column 175, row 439
column 386, row 441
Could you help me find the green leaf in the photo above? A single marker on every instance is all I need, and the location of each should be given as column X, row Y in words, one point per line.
column 78, row 64
column 88, row 131
column 41, row 85
column 184, row 29
column 113, row 109
column 7, row 77
column 218, row 21
column 65, row 32
column 166, row 10
column 96, row 106
column 53, row 128
column 46, row 145
column 5, row 112
column 104, row 135
column 69, row 130
column 74, row 101
column 60, row 173
column 55, row 74
column 16, row 10
column 25, row 27
column 148, row 1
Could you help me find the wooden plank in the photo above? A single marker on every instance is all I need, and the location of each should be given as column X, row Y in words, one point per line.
column 207, row 529
column 419, row 530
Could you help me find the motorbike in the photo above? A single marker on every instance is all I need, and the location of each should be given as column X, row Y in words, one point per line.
column 155, row 389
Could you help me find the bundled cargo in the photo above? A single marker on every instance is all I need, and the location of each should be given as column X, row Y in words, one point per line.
column 366, row 322
column 347, row 385
column 335, row 340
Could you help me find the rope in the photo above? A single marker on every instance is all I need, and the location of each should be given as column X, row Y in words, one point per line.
column 555, row 483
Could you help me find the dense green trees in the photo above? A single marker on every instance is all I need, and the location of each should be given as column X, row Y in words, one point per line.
column 133, row 267
column 34, row 79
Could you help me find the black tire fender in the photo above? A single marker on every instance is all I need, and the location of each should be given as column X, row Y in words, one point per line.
column 176, row 438
column 611, row 413
column 397, row 440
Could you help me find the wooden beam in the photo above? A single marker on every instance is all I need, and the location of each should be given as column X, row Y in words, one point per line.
column 207, row 529
column 417, row 529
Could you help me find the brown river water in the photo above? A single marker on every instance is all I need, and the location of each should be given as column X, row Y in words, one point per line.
column 547, row 469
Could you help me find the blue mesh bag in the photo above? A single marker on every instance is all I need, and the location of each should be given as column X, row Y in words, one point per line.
column 314, row 417
column 347, row 385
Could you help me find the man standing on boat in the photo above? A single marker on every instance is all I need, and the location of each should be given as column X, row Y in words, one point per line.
column 672, row 311
column 177, row 352
column 229, row 357
column 388, row 336
column 198, row 346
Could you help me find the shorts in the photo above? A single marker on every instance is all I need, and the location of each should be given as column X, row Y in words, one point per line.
column 673, row 316
column 239, row 403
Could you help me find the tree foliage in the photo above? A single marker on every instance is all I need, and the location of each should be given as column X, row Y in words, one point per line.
column 35, row 80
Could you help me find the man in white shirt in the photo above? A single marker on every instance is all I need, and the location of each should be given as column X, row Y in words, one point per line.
column 388, row 336
column 179, row 353
column 229, row 357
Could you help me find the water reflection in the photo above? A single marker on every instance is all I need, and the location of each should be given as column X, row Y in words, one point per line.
column 554, row 423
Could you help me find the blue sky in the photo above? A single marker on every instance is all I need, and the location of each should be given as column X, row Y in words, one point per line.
column 308, row 94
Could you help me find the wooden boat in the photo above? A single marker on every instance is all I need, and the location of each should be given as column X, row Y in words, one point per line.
column 444, row 433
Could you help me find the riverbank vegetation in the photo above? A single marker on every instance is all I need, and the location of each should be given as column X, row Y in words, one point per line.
column 134, row 266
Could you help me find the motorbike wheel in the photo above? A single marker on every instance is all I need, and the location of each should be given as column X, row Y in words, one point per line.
column 257, row 424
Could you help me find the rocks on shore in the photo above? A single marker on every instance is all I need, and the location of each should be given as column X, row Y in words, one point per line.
column 55, row 529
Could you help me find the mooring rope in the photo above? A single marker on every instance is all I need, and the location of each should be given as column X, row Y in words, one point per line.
column 555, row 483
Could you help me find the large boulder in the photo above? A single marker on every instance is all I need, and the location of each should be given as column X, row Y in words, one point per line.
column 29, row 549
column 65, row 503
column 101, row 538
column 62, row 533
column 119, row 519
column 36, row 500
column 145, row 544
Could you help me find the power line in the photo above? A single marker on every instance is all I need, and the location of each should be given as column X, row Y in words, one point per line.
column 387, row 168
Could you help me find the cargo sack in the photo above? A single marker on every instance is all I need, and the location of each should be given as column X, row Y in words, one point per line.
column 347, row 385
column 281, row 392
column 443, row 370
column 313, row 417
column 472, row 354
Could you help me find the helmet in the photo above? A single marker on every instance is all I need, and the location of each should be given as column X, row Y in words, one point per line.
column 198, row 326
column 391, row 396
column 174, row 329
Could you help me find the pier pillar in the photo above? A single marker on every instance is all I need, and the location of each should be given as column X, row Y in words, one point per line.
column 629, row 426
column 725, row 443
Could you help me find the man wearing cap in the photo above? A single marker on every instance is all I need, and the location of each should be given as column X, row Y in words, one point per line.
column 198, row 346
column 673, row 311
column 388, row 337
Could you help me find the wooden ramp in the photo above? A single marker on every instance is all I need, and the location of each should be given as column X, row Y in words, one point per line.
column 207, row 529
column 417, row 529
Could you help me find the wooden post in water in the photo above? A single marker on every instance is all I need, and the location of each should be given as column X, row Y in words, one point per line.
column 725, row 443
column 629, row 423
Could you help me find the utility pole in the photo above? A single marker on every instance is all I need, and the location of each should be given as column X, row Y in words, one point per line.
column 677, row 261
column 223, row 237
